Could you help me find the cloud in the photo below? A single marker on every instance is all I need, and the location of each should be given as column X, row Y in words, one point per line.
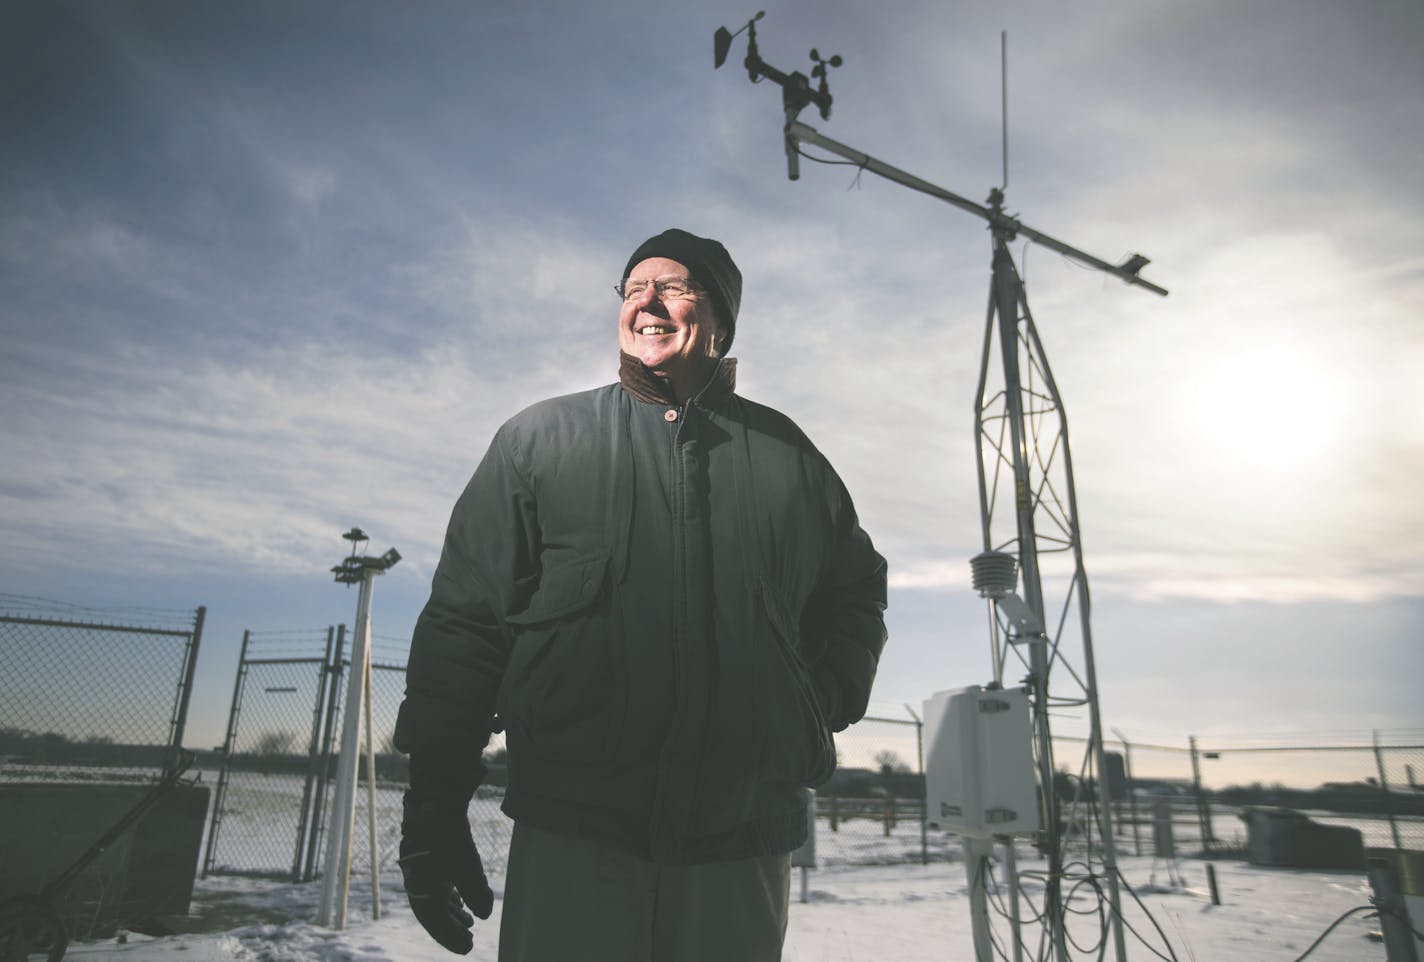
column 526, row 283
column 257, row 462
column 326, row 312
column 1228, row 587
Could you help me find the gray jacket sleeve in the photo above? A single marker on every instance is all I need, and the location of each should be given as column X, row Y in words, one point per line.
column 845, row 615
column 488, row 568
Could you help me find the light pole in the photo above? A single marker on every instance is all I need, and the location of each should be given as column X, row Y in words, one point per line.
column 355, row 569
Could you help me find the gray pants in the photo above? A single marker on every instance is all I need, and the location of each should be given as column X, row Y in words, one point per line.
column 568, row 898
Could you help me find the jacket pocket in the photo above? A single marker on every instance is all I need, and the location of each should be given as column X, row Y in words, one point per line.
column 562, row 694
column 797, row 744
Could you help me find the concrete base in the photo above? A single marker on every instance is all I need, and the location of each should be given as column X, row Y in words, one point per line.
column 144, row 874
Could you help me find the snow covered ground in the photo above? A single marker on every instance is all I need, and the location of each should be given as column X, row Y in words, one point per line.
column 869, row 901
column 853, row 913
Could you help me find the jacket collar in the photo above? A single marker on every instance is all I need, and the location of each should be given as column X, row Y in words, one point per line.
column 646, row 386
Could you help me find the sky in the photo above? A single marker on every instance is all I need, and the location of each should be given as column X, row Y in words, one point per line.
column 269, row 271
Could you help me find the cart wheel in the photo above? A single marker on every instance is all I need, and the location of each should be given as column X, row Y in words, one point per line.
column 31, row 930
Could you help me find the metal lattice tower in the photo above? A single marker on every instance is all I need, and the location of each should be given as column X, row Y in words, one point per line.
column 1028, row 511
column 1029, row 518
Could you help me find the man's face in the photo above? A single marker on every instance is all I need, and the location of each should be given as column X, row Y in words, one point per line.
column 675, row 338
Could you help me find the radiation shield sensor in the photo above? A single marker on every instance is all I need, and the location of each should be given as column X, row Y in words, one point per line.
column 979, row 780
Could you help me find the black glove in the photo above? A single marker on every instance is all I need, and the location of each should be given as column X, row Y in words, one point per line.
column 438, row 857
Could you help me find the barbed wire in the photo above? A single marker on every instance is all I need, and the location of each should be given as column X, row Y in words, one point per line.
column 34, row 606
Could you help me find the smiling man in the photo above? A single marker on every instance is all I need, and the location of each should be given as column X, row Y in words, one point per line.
column 670, row 325
column 659, row 590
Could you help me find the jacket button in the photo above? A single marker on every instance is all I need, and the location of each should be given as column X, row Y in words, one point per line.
column 587, row 585
column 670, row 414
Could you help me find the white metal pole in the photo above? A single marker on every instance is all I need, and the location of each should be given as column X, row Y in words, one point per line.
column 977, row 852
column 1011, row 876
column 336, row 870
column 371, row 798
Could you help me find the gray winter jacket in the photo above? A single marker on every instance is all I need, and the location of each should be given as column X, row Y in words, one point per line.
column 668, row 609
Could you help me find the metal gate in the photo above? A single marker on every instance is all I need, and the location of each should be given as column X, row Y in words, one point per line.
column 275, row 786
column 267, row 805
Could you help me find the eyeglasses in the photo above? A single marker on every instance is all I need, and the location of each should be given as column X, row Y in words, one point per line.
column 669, row 288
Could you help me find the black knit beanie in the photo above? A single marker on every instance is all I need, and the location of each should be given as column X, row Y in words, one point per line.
column 710, row 266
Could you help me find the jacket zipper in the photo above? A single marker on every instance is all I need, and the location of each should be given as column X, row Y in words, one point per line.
column 666, row 831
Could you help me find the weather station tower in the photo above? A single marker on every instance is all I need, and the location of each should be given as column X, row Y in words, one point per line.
column 990, row 754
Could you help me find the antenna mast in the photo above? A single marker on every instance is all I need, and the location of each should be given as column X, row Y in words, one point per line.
column 1028, row 507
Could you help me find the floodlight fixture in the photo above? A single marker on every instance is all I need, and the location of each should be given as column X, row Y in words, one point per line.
column 348, row 572
column 353, row 569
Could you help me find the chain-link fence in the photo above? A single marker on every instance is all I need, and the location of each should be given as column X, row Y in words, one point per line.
column 264, row 814
column 872, row 809
column 271, row 810
column 275, row 789
column 92, row 693
column 1152, row 803
column 490, row 827
column 1205, row 789
column 1373, row 788
column 1189, row 799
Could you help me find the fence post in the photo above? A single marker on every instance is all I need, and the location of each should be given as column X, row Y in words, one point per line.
column 924, row 788
column 887, row 814
column 185, row 692
column 835, row 813
column 1384, row 787
column 333, row 694
column 304, row 814
column 228, row 744
column 1131, row 795
column 1203, row 807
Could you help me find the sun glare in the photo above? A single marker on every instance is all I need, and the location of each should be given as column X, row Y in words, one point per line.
column 1266, row 409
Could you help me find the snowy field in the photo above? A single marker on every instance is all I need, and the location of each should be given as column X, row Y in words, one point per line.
column 903, row 912
column 870, row 899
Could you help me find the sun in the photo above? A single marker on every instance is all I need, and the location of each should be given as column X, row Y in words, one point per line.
column 1274, row 409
